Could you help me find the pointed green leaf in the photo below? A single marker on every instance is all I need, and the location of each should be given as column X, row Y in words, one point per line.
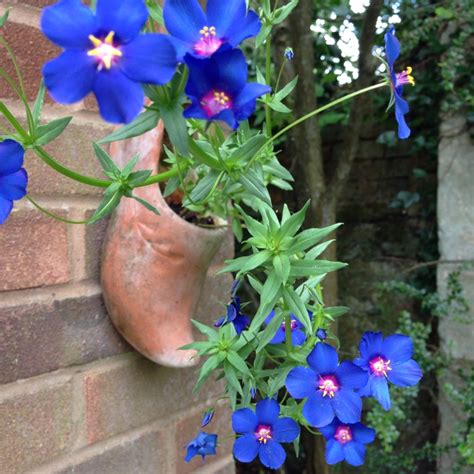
column 237, row 362
column 175, row 125
column 108, row 165
column 38, row 105
column 270, row 295
column 147, row 205
column 47, row 133
column 253, row 184
column 297, row 307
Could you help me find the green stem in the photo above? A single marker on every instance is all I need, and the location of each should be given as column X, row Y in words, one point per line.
column 159, row 178
column 288, row 333
column 51, row 214
column 268, row 77
column 14, row 122
column 312, row 114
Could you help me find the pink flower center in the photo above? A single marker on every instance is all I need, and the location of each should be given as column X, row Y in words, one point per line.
column 405, row 77
column 343, row 434
column 263, row 433
column 208, row 44
column 379, row 366
column 104, row 50
column 328, row 385
column 215, row 102
column 293, row 325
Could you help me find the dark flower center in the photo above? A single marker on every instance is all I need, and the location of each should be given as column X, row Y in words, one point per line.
column 215, row 101
column 328, row 385
column 105, row 51
column 379, row 366
column 343, row 434
column 263, row 433
column 208, row 43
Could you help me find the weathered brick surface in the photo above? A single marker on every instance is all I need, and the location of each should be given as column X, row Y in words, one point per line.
column 39, row 338
column 224, row 466
column 36, row 423
column 94, row 236
column 34, row 251
column 188, row 428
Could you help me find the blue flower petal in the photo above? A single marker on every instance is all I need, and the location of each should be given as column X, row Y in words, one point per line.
column 362, row 363
column 298, row 337
column 6, row 207
column 11, row 157
column 191, row 451
column 405, row 374
column 241, row 323
column 362, row 434
column 354, row 453
column 149, row 58
column 250, row 93
column 269, row 318
column 351, row 376
column 334, row 452
column 370, row 344
column 120, row 99
column 392, row 46
column 301, row 382
column 271, row 454
column 377, row 387
column 246, row 448
column 347, row 406
column 223, row 15
column 285, row 430
column 279, row 336
column 229, row 69
column 184, row 19
column 267, row 411
column 329, row 431
column 201, row 77
column 244, row 421
column 397, row 348
column 318, row 410
column 126, row 18
column 247, row 28
column 70, row 77
column 13, row 186
column 323, row 358
column 69, row 23
column 402, row 108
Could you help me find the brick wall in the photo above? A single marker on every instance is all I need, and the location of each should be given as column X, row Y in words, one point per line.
column 74, row 396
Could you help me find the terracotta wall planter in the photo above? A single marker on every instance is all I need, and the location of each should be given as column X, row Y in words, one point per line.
column 153, row 268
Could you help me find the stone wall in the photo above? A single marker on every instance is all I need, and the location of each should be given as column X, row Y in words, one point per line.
column 456, row 243
column 74, row 396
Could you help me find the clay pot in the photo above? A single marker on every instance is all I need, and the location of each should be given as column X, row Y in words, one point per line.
column 154, row 267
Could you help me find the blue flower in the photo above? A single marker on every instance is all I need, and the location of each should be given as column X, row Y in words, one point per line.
column 297, row 334
column 207, row 417
column 321, row 334
column 347, row 442
column 328, row 387
column 289, row 54
column 397, row 81
column 234, row 316
column 261, row 432
column 13, row 177
column 204, row 444
column 218, row 88
column 387, row 359
column 202, row 34
column 105, row 53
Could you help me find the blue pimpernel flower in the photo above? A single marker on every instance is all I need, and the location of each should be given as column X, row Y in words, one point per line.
column 387, row 360
column 328, row 387
column 346, row 442
column 261, row 432
column 105, row 53
column 202, row 34
column 218, row 88
column 204, row 444
column 397, row 81
column 13, row 177
column 289, row 54
column 207, row 417
column 321, row 334
column 298, row 337
column 234, row 316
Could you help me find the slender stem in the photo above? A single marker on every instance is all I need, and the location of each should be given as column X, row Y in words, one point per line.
column 312, row 114
column 288, row 333
column 279, row 76
column 268, row 78
column 51, row 214
column 14, row 122
column 159, row 178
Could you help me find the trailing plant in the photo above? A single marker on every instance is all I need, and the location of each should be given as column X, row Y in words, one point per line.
column 280, row 372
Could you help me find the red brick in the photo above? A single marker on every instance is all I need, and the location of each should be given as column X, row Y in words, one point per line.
column 93, row 240
column 188, row 428
column 34, row 251
column 39, row 338
column 37, row 423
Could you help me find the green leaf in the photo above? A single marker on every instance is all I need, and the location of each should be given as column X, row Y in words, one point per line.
column 211, row 333
column 253, row 184
column 175, row 125
column 271, row 292
column 336, row 311
column 206, row 370
column 203, row 187
column 237, row 362
column 269, row 332
column 279, row 381
column 171, row 186
column 231, row 377
column 283, row 12
column 307, row 268
column 315, row 252
column 4, row 17
column 281, row 264
column 112, row 196
column 278, row 106
column 293, row 223
column 38, row 105
column 255, row 284
column 147, row 205
column 287, row 90
column 138, row 177
column 248, row 150
column 108, row 165
column 310, row 237
column 297, row 307
column 248, row 263
column 145, row 122
column 47, row 133
column 130, row 166
column 156, row 12
column 202, row 156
